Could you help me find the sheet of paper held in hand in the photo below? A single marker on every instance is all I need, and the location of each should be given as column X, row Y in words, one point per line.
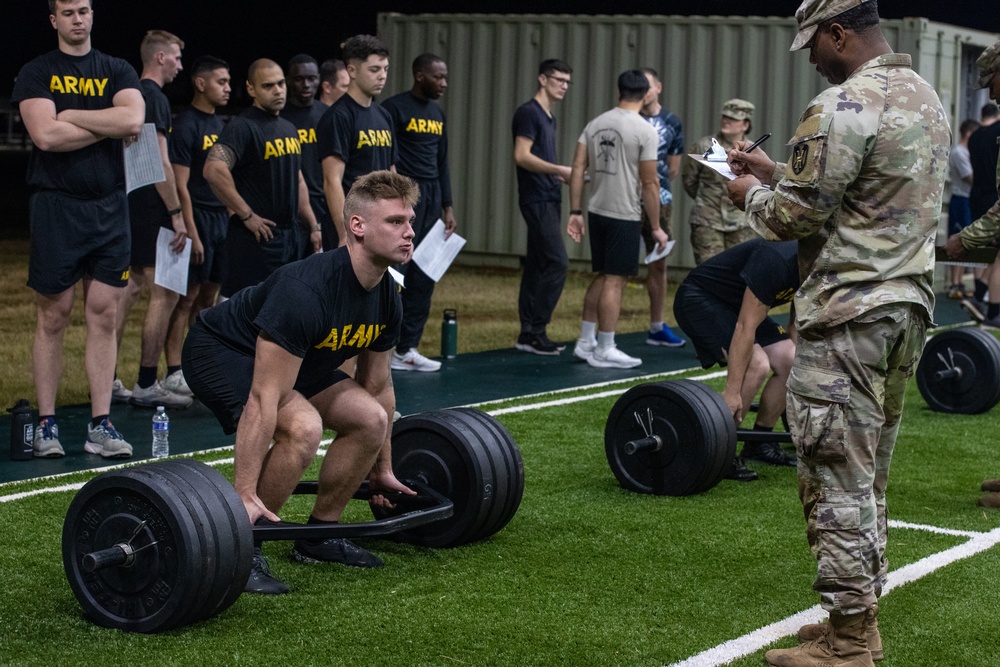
column 143, row 163
column 719, row 167
column 172, row 267
column 436, row 253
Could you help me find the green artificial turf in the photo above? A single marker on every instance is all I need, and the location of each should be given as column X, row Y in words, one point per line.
column 586, row 573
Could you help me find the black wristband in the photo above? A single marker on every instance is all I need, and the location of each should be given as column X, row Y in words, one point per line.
column 249, row 215
column 174, row 211
column 576, row 211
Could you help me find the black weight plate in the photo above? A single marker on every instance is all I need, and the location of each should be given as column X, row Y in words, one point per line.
column 719, row 428
column 233, row 528
column 445, row 449
column 149, row 596
column 977, row 354
column 200, row 595
column 688, row 461
column 507, row 458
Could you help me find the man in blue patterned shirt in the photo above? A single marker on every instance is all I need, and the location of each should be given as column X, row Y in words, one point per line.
column 668, row 164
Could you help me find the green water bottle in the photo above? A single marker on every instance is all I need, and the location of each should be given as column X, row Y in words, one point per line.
column 449, row 334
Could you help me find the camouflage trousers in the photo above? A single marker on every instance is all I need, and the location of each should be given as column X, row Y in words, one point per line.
column 845, row 401
column 707, row 242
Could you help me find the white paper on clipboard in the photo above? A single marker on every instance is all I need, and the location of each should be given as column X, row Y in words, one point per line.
column 721, row 168
column 143, row 162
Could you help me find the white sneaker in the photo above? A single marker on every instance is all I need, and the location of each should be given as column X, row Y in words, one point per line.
column 413, row 361
column 176, row 383
column 156, row 394
column 119, row 392
column 584, row 349
column 612, row 357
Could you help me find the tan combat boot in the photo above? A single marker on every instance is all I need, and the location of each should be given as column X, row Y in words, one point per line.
column 991, row 486
column 843, row 645
column 991, row 500
column 814, row 631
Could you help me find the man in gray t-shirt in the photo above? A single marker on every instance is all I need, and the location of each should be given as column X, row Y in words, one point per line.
column 619, row 150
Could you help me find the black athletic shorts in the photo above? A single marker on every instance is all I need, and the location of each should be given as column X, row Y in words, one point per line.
column 614, row 245
column 710, row 324
column 212, row 225
column 75, row 238
column 251, row 261
column 147, row 215
column 220, row 377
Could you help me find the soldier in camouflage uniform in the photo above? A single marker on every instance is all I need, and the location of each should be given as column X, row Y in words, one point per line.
column 862, row 193
column 986, row 230
column 716, row 224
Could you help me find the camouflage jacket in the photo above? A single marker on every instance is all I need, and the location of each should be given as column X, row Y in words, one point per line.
column 862, row 193
column 707, row 189
column 986, row 230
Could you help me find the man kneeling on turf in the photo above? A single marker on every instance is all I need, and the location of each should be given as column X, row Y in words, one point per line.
column 267, row 364
column 722, row 306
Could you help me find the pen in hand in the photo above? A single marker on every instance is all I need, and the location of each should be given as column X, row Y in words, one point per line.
column 751, row 147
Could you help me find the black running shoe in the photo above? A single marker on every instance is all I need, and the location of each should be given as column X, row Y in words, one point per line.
column 543, row 337
column 767, row 452
column 261, row 580
column 536, row 344
column 334, row 550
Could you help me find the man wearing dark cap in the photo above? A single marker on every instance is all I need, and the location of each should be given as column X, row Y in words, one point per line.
column 986, row 227
column 716, row 224
column 866, row 229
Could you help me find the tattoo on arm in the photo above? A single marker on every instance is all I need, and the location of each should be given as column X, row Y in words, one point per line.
column 224, row 154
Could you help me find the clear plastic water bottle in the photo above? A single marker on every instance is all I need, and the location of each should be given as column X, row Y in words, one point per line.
column 161, row 433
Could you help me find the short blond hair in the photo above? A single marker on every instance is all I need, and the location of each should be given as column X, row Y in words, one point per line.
column 378, row 186
column 156, row 41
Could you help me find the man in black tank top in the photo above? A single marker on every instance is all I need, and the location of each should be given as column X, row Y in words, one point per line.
column 77, row 105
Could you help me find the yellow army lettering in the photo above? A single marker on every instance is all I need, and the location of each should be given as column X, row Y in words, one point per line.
column 363, row 336
column 208, row 141
column 374, row 138
column 78, row 85
column 425, row 126
column 280, row 147
column 307, row 136
column 785, row 295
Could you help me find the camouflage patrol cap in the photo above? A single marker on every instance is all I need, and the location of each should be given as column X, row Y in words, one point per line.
column 738, row 109
column 989, row 64
column 813, row 12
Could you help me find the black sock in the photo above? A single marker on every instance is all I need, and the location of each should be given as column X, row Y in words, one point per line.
column 96, row 421
column 992, row 310
column 42, row 418
column 147, row 376
column 758, row 427
column 313, row 521
column 173, row 369
column 980, row 289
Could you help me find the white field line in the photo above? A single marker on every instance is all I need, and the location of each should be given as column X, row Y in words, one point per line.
column 754, row 641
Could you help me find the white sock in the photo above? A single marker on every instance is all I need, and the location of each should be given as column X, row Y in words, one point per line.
column 655, row 327
column 605, row 339
column 588, row 330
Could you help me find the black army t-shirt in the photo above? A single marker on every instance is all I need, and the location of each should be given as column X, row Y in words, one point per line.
column 769, row 269
column 421, row 140
column 194, row 134
column 268, row 158
column 146, row 198
column 88, row 83
column 315, row 309
column 360, row 136
column 305, row 120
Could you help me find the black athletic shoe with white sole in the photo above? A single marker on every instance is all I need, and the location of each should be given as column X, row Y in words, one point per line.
column 334, row 550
